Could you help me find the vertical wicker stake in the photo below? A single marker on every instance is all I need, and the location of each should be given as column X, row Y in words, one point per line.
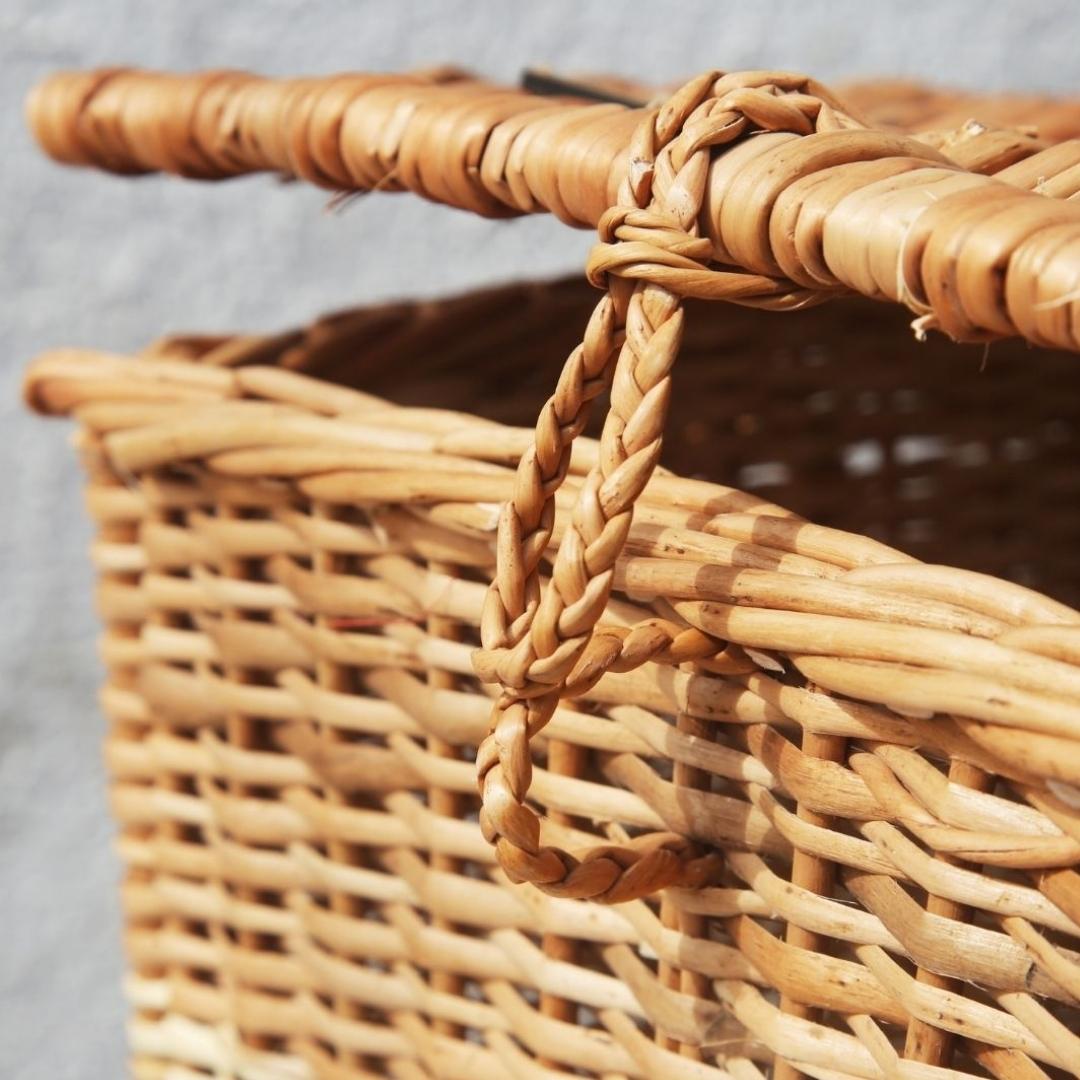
column 926, row 1042
column 693, row 926
column 140, row 844
column 564, row 759
column 337, row 678
column 241, row 731
column 813, row 873
column 173, row 832
column 448, row 804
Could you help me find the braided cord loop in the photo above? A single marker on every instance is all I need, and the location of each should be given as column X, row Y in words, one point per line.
column 542, row 645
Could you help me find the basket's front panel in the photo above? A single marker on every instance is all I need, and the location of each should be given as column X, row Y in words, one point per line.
column 293, row 579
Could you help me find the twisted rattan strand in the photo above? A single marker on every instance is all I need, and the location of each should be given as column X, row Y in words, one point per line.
column 533, row 642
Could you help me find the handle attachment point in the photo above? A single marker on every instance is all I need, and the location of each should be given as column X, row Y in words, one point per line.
column 542, row 645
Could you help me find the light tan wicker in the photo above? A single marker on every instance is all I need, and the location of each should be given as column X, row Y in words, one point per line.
column 827, row 792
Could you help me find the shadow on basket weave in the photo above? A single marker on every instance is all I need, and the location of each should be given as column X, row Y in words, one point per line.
column 395, row 691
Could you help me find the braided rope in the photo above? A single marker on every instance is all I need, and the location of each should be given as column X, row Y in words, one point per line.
column 540, row 646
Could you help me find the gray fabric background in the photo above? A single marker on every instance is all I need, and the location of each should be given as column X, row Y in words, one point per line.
column 98, row 261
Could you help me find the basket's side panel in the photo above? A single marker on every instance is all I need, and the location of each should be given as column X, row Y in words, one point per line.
column 201, row 892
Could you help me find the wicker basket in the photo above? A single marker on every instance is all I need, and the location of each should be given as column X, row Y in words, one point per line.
column 756, row 796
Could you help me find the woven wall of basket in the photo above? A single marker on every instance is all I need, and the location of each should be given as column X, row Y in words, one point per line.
column 451, row 742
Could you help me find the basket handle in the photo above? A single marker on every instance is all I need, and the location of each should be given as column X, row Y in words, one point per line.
column 846, row 209
column 540, row 645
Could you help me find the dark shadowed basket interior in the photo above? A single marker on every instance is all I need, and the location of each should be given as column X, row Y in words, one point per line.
column 958, row 454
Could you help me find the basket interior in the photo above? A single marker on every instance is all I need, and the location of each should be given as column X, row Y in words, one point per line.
column 961, row 455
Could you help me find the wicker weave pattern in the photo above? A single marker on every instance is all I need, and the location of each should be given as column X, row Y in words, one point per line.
column 236, row 668
column 884, row 754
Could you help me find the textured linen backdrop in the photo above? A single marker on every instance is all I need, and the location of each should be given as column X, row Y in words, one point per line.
column 97, row 261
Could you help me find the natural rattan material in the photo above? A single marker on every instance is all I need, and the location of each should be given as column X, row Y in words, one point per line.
column 861, row 770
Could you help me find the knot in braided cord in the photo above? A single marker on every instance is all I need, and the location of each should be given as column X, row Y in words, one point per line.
column 539, row 644
column 661, row 243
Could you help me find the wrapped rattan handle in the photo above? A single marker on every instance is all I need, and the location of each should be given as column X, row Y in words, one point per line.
column 540, row 645
column 805, row 209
